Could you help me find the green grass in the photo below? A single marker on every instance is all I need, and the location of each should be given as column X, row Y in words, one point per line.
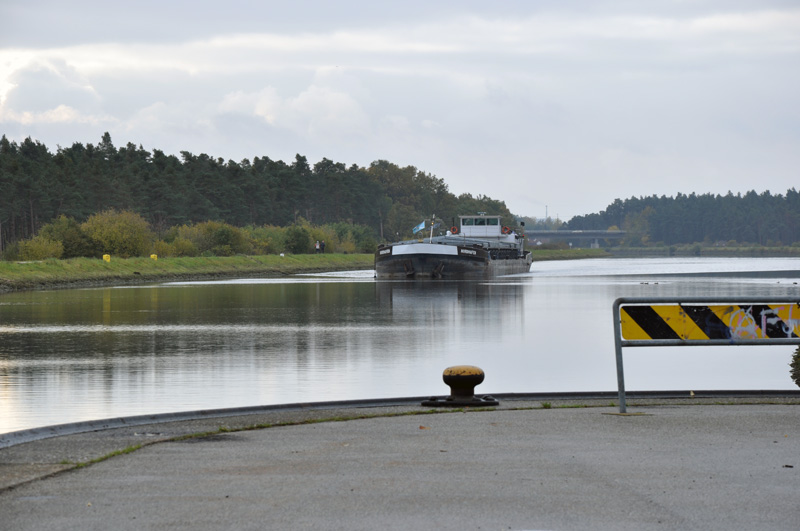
column 541, row 255
column 124, row 451
column 54, row 273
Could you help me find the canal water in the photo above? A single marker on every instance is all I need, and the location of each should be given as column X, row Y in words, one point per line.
column 82, row 354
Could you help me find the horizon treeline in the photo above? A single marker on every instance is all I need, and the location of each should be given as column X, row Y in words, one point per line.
column 750, row 219
column 37, row 187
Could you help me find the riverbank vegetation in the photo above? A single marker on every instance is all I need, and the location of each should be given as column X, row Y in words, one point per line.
column 711, row 221
column 547, row 254
column 38, row 274
column 127, row 234
column 74, row 272
column 739, row 250
column 562, row 251
column 91, row 200
column 77, row 182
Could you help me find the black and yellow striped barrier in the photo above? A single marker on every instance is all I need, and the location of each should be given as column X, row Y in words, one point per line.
column 685, row 322
column 702, row 322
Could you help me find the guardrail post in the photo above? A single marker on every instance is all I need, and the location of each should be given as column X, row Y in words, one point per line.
column 618, row 350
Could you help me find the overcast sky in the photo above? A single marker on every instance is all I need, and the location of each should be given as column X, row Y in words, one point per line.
column 548, row 105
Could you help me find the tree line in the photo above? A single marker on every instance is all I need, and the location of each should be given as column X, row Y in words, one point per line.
column 77, row 182
column 178, row 196
column 750, row 219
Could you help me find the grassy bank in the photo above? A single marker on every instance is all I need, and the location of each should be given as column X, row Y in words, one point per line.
column 708, row 251
column 77, row 272
column 542, row 255
column 91, row 271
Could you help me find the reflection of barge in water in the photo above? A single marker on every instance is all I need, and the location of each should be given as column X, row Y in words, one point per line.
column 480, row 249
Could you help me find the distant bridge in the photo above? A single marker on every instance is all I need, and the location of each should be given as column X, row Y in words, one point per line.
column 593, row 235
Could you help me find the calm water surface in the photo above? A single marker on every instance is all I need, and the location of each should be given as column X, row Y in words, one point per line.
column 85, row 354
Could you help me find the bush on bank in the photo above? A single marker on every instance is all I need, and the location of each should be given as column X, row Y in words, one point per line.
column 127, row 234
column 40, row 248
column 794, row 366
column 123, row 234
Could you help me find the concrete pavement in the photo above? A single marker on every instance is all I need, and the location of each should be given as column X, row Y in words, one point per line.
column 672, row 464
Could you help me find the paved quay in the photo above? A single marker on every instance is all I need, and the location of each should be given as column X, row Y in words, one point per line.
column 668, row 464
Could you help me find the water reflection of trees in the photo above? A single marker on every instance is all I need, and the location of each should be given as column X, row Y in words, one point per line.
column 114, row 350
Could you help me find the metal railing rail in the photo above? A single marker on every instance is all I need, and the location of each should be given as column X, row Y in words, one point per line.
column 746, row 303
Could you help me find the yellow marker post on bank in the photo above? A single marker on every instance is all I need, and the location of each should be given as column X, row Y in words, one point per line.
column 107, row 257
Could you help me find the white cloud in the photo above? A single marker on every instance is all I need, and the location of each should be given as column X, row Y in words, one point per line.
column 61, row 114
column 325, row 113
column 550, row 34
column 48, row 91
column 52, row 76
column 767, row 23
column 495, row 99
column 328, row 109
column 265, row 104
column 169, row 120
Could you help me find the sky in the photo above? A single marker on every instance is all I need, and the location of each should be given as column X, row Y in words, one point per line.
column 555, row 107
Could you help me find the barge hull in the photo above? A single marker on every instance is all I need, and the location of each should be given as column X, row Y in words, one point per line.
column 447, row 267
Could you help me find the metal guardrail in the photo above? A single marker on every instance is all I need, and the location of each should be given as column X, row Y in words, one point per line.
column 782, row 320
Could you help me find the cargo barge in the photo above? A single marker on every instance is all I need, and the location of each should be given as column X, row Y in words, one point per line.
column 479, row 248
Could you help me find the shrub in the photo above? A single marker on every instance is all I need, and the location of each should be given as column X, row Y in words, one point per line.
column 68, row 231
column 228, row 240
column 213, row 238
column 267, row 239
column 366, row 242
column 347, row 246
column 123, row 234
column 183, row 247
column 176, row 248
column 795, row 367
column 40, row 248
column 11, row 252
column 353, row 238
column 298, row 240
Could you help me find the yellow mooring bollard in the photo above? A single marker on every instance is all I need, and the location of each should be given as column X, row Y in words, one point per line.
column 107, row 257
column 154, row 257
column 462, row 380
